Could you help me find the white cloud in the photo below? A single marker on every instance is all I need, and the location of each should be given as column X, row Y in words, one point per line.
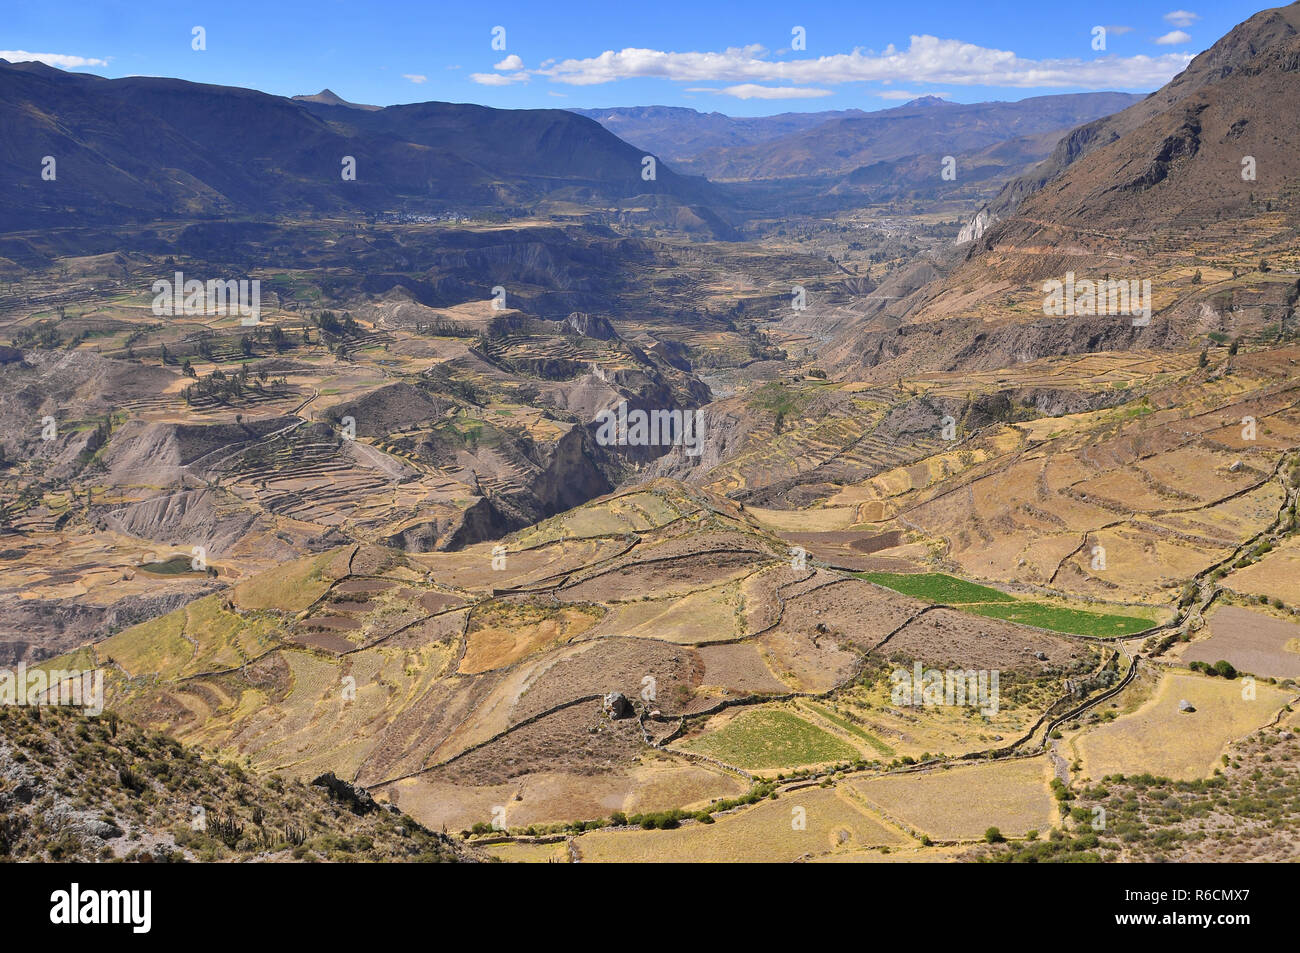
column 416, row 78
column 1182, row 17
column 61, row 60
column 927, row 59
column 457, row 66
column 1119, row 30
column 511, row 62
column 499, row 79
column 754, row 91
column 551, row 92
column 1172, row 39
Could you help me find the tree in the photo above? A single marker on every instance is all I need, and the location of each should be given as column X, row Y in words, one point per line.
column 1203, row 360
column 1263, row 265
column 994, row 836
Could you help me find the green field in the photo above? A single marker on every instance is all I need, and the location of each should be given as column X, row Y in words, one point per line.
column 1060, row 619
column 772, row 739
column 856, row 730
column 172, row 567
column 994, row 604
column 935, row 587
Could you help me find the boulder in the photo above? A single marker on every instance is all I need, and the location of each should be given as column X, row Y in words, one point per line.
column 617, row 705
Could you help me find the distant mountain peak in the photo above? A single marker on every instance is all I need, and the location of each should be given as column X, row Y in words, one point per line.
column 928, row 101
column 327, row 97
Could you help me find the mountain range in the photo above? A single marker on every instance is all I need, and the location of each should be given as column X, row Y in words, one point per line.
column 143, row 149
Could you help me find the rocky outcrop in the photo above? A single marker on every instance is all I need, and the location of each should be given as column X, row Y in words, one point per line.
column 976, row 227
column 591, row 326
column 478, row 522
column 358, row 800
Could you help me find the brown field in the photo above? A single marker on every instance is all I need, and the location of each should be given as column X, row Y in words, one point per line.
column 525, row 852
column 807, row 662
column 1276, row 575
column 544, row 797
column 947, row 637
column 738, row 668
column 1252, row 641
column 961, row 803
column 503, row 634
column 1159, row 739
column 760, row 834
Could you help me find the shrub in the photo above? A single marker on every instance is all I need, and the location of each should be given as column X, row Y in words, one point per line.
column 1224, row 668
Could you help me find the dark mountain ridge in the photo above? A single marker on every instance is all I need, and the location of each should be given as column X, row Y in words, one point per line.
column 142, row 149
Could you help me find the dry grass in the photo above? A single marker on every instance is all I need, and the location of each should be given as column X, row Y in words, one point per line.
column 504, row 633
column 763, row 833
column 525, row 852
column 1276, row 575
column 1159, row 739
column 961, row 803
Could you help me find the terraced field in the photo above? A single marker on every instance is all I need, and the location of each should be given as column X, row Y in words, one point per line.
column 1160, row 738
column 379, row 532
column 457, row 683
column 804, row 824
column 962, row 803
column 986, row 601
column 771, row 738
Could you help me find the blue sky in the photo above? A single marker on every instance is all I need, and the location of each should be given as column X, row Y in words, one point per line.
column 735, row 59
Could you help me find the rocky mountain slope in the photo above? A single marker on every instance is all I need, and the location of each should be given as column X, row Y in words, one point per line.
column 78, row 789
column 220, row 151
column 1268, row 29
column 1191, row 190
